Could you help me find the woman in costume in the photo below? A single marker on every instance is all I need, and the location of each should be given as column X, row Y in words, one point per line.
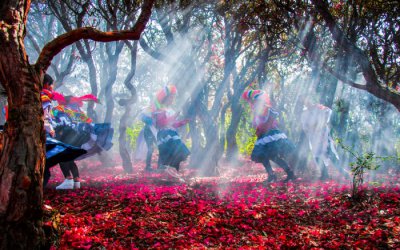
column 57, row 152
column 76, row 128
column 172, row 151
column 272, row 144
column 315, row 119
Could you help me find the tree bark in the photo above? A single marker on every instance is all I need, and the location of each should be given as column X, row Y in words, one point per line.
column 124, row 149
column 232, row 150
column 374, row 83
column 22, row 151
column 112, row 64
column 193, row 112
column 241, row 82
column 213, row 151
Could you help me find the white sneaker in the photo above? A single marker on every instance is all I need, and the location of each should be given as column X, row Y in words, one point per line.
column 174, row 173
column 77, row 185
column 67, row 184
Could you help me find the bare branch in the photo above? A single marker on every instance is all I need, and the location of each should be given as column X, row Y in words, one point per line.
column 33, row 42
column 55, row 46
column 153, row 53
column 373, row 83
column 344, row 79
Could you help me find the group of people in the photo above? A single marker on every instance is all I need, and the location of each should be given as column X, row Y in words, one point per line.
column 72, row 135
column 273, row 145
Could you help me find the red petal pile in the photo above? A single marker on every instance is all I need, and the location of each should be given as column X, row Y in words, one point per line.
column 113, row 210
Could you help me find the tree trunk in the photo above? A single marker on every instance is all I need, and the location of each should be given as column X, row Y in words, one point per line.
column 93, row 85
column 124, row 149
column 22, row 144
column 22, row 152
column 374, row 82
column 239, row 85
column 112, row 76
column 211, row 153
column 21, row 168
column 232, row 150
column 205, row 158
column 194, row 135
column 123, row 142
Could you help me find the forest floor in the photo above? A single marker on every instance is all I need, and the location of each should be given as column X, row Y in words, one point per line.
column 237, row 210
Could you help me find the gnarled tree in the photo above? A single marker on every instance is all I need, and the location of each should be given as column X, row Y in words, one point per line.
column 371, row 41
column 22, row 152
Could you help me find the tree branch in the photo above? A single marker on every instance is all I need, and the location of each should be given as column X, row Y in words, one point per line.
column 373, row 83
column 55, row 46
column 33, row 42
column 153, row 53
column 344, row 79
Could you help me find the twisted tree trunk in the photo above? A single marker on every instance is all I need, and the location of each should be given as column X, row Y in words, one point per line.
column 22, row 152
column 124, row 149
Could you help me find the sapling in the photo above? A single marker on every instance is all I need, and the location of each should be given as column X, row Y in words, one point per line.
column 362, row 163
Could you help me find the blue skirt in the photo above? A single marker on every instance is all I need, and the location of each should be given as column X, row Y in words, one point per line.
column 57, row 151
column 171, row 149
column 272, row 144
column 94, row 138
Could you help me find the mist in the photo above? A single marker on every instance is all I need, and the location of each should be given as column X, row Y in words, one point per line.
column 211, row 60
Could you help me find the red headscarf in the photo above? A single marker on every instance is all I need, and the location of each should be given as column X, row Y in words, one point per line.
column 65, row 100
